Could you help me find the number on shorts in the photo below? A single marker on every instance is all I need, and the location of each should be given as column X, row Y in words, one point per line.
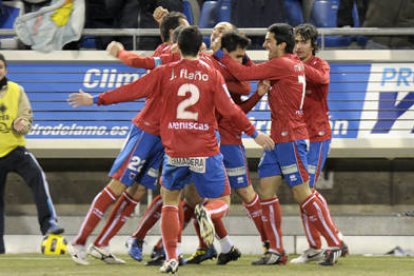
column 135, row 164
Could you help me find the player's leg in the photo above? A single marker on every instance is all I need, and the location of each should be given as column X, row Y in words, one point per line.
column 270, row 181
column 158, row 254
column 214, row 185
column 203, row 252
column 3, row 176
column 119, row 214
column 229, row 252
column 235, row 162
column 150, row 217
column 170, row 224
column 142, row 167
column 105, row 198
column 294, row 167
column 35, row 178
column 316, row 158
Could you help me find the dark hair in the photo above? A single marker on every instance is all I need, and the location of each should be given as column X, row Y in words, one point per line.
column 170, row 22
column 231, row 40
column 189, row 41
column 308, row 32
column 2, row 58
column 283, row 33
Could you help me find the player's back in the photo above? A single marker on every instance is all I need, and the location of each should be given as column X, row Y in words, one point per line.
column 189, row 93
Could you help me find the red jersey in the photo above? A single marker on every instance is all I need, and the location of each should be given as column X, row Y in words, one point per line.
column 148, row 118
column 134, row 60
column 316, row 108
column 230, row 134
column 163, row 48
column 286, row 96
column 189, row 92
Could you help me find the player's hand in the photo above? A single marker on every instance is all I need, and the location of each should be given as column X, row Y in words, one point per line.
column 263, row 87
column 159, row 14
column 20, row 125
column 80, row 99
column 264, row 141
column 114, row 48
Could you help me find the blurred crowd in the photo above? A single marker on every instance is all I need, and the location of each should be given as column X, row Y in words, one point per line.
column 110, row 14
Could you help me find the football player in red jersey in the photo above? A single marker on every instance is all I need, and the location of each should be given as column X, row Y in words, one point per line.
column 138, row 162
column 288, row 130
column 316, row 112
column 232, row 150
column 189, row 91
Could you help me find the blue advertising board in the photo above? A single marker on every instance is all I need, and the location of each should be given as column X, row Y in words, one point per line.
column 374, row 100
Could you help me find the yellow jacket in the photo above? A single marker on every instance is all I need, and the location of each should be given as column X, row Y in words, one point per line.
column 14, row 104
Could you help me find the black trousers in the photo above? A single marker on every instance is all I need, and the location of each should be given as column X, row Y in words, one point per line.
column 22, row 162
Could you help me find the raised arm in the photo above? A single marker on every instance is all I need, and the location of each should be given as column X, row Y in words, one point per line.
column 238, row 87
column 227, row 108
column 134, row 60
column 247, row 105
column 141, row 88
column 269, row 70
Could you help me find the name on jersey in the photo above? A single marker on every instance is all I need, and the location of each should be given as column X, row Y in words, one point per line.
column 184, row 74
column 195, row 164
column 188, row 125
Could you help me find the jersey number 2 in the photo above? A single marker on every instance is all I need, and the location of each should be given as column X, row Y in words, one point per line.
column 182, row 113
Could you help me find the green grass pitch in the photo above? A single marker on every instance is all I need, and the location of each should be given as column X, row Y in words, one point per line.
column 36, row 264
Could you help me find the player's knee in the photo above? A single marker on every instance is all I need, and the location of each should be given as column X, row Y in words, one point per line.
column 116, row 187
column 136, row 191
column 301, row 192
column 247, row 194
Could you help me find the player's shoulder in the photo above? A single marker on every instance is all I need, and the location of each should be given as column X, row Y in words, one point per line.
column 287, row 59
column 318, row 62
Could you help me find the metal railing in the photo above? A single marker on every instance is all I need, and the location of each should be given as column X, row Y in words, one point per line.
column 248, row 31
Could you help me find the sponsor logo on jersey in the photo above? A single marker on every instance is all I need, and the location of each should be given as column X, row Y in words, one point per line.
column 188, row 125
column 196, row 164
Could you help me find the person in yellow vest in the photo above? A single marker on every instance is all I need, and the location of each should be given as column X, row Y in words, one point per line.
column 15, row 122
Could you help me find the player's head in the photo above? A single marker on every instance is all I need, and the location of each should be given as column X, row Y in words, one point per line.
column 171, row 21
column 219, row 29
column 306, row 41
column 3, row 67
column 236, row 44
column 189, row 41
column 279, row 40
